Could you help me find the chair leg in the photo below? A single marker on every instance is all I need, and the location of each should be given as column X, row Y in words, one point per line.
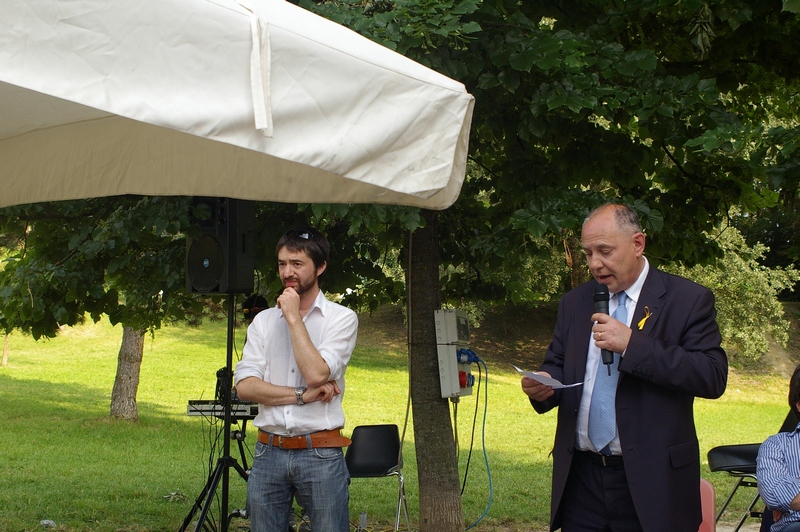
column 747, row 513
column 748, row 481
column 730, row 496
column 743, row 481
column 401, row 503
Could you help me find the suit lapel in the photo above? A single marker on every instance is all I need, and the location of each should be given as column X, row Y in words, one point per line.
column 580, row 339
column 648, row 308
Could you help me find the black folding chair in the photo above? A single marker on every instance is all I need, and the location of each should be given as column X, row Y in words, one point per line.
column 376, row 452
column 740, row 461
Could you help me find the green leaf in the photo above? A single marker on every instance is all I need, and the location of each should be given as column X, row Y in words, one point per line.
column 574, row 102
column 488, row 81
column 523, row 60
column 792, row 6
column 548, row 61
column 556, row 101
column 665, row 110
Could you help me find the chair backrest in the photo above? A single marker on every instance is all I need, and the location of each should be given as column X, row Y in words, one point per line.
column 790, row 422
column 708, row 503
column 375, row 451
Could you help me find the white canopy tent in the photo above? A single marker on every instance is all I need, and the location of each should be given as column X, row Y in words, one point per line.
column 248, row 99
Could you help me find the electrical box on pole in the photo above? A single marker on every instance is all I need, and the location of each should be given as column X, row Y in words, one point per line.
column 452, row 336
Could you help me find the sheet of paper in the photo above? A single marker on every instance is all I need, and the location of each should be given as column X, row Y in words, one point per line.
column 555, row 384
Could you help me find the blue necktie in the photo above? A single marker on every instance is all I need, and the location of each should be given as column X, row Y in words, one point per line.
column 602, row 415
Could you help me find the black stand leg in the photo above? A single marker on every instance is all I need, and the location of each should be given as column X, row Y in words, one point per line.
column 225, row 462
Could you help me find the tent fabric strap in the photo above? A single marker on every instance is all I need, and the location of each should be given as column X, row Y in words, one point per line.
column 260, row 61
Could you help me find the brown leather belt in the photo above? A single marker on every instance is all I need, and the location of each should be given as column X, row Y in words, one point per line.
column 323, row 438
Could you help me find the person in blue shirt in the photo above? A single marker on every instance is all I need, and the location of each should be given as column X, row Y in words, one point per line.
column 778, row 470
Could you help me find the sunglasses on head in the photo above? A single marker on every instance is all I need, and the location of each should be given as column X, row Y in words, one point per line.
column 300, row 233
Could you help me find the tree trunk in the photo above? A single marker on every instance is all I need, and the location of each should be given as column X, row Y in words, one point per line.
column 126, row 383
column 5, row 352
column 576, row 260
column 439, row 491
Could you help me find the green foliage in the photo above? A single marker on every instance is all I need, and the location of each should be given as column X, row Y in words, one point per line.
column 749, row 313
column 403, row 25
column 615, row 98
column 121, row 256
column 776, row 161
column 662, row 105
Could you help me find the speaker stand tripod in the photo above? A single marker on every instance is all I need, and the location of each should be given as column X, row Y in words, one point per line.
column 221, row 473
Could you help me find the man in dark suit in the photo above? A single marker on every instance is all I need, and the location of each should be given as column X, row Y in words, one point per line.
column 626, row 456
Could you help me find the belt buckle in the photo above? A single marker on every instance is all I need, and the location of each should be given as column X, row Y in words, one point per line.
column 280, row 442
column 603, row 459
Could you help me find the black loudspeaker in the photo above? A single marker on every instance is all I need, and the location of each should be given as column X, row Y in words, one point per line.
column 221, row 260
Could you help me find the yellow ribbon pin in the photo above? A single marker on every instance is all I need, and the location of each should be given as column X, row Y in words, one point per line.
column 644, row 320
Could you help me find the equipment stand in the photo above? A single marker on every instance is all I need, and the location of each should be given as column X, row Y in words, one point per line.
column 225, row 462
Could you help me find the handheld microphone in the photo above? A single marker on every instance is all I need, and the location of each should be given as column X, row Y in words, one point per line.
column 601, row 307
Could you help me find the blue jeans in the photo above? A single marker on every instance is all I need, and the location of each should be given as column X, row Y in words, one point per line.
column 791, row 527
column 320, row 481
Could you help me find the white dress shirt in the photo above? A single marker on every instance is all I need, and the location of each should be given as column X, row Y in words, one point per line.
column 268, row 355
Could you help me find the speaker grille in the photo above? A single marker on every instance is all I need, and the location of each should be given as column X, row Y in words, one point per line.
column 221, row 260
column 205, row 263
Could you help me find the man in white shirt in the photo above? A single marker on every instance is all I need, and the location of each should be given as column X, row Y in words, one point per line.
column 293, row 366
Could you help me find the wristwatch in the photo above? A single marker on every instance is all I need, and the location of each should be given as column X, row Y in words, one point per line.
column 299, row 391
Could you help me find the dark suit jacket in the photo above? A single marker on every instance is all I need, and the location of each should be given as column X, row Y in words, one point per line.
column 675, row 357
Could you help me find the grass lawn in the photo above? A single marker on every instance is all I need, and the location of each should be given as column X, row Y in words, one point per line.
column 62, row 458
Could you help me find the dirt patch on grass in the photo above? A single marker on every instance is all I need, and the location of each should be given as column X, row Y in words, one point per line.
column 509, row 334
column 515, row 335
column 384, row 327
